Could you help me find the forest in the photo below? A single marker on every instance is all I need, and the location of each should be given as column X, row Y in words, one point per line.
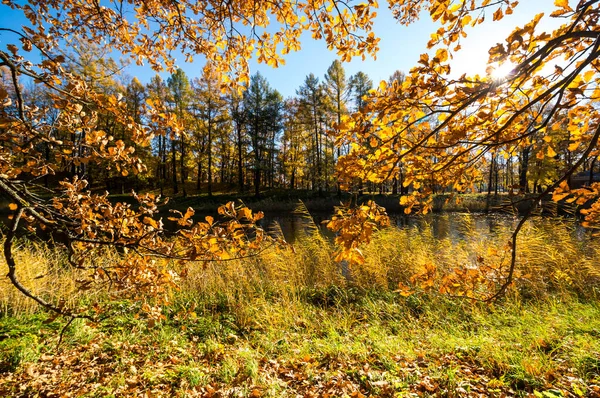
column 257, row 140
column 444, row 233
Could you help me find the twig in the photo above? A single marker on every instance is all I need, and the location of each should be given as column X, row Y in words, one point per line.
column 62, row 332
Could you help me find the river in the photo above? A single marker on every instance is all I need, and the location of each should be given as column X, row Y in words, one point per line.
column 453, row 226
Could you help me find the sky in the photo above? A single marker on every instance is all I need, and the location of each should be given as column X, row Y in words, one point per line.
column 400, row 47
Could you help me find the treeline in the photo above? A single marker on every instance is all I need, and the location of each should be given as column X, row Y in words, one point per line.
column 241, row 142
column 253, row 140
column 249, row 141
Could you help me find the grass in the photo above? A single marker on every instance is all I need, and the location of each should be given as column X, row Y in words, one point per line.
column 293, row 322
column 373, row 346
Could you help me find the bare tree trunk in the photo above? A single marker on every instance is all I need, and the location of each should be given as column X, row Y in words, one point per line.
column 174, row 162
column 210, row 176
column 183, row 171
column 490, row 182
column 523, row 168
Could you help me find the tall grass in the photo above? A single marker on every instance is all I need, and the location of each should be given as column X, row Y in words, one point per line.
column 43, row 271
column 558, row 260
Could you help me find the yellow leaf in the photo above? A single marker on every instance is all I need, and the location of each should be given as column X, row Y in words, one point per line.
column 498, row 15
column 562, row 4
column 559, row 196
column 224, row 255
column 12, row 206
column 357, row 257
column 150, row 221
column 442, row 55
column 588, row 75
column 245, row 213
column 466, row 19
column 573, row 146
column 258, row 216
column 551, row 152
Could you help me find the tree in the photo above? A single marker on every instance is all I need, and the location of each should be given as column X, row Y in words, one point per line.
column 443, row 128
column 211, row 106
column 360, row 85
column 135, row 100
column 397, row 78
column 238, row 118
column 180, row 96
column 263, row 107
column 337, row 91
column 311, row 98
column 157, row 93
column 101, row 73
column 294, row 148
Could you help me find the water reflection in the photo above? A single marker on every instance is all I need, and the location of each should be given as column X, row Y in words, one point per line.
column 452, row 226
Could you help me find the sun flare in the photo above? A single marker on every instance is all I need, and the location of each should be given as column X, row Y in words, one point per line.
column 501, row 72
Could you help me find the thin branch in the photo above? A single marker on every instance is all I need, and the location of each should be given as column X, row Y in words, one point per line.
column 529, row 213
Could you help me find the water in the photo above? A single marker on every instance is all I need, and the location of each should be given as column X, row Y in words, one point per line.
column 453, row 226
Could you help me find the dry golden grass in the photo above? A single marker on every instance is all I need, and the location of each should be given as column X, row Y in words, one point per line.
column 550, row 260
column 43, row 271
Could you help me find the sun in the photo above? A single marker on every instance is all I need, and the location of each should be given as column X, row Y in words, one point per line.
column 500, row 72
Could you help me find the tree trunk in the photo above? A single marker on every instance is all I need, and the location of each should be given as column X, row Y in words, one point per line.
column 199, row 181
column 174, row 161
column 209, row 150
column 523, row 168
column 257, row 182
column 490, row 183
column 183, row 171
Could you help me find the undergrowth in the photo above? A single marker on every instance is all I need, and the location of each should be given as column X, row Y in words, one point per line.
column 293, row 322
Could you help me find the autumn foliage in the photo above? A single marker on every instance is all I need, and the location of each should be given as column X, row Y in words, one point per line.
column 435, row 129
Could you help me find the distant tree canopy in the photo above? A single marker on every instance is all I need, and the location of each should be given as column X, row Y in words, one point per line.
column 420, row 133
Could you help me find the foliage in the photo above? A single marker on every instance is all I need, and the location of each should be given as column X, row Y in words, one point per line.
column 438, row 130
column 355, row 226
column 425, row 130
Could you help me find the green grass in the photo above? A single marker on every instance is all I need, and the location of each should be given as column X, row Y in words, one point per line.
column 376, row 345
column 292, row 322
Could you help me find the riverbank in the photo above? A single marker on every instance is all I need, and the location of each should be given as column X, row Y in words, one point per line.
column 286, row 201
column 293, row 322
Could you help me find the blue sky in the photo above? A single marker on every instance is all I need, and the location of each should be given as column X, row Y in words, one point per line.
column 400, row 47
